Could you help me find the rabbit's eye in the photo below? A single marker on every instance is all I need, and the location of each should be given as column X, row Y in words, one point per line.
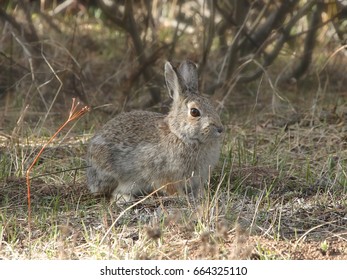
column 194, row 112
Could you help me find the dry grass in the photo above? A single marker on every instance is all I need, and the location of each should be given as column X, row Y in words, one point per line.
column 279, row 193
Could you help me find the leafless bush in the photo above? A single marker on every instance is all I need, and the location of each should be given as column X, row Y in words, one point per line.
column 234, row 42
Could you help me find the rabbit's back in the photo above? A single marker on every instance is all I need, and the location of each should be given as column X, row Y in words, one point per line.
column 130, row 129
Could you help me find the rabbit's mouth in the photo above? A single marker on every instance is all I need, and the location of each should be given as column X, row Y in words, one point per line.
column 196, row 141
column 191, row 140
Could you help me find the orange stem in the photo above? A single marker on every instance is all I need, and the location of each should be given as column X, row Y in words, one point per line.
column 72, row 116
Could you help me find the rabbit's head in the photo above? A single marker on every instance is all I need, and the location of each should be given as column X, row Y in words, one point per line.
column 192, row 117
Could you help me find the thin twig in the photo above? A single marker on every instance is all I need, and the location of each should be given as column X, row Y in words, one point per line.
column 73, row 115
column 310, row 230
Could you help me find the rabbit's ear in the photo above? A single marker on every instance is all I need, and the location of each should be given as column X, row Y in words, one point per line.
column 172, row 81
column 189, row 74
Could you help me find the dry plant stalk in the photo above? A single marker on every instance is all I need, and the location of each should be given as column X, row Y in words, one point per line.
column 73, row 115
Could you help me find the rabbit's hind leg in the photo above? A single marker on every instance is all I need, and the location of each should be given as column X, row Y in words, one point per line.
column 100, row 182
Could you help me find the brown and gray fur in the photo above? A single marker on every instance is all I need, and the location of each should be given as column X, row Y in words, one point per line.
column 139, row 151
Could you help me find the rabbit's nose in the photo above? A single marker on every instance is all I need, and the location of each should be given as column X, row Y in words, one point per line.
column 220, row 129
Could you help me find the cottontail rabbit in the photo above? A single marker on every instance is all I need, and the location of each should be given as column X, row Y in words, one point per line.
column 140, row 151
